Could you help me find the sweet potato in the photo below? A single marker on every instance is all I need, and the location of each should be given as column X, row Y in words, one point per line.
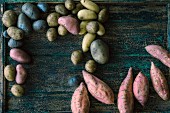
column 159, row 53
column 98, row 89
column 141, row 88
column 159, row 82
column 125, row 95
column 80, row 101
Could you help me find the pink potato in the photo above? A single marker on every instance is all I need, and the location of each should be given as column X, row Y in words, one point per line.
column 159, row 53
column 80, row 101
column 125, row 95
column 141, row 88
column 21, row 74
column 19, row 55
column 98, row 89
column 159, row 82
column 70, row 23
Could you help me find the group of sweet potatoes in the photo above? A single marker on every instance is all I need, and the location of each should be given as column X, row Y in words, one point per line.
column 129, row 88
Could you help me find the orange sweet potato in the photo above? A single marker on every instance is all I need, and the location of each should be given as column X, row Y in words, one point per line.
column 125, row 95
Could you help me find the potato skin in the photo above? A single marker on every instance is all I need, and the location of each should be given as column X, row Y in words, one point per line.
column 69, row 4
column 141, row 88
column 103, row 15
column 159, row 82
column 62, row 30
column 79, row 6
column 101, row 30
column 9, row 72
column 52, row 19
column 125, row 96
column 76, row 57
column 14, row 43
column 17, row 90
column 21, row 74
column 87, row 40
column 40, row 25
column 44, row 7
column 9, row 18
column 90, row 5
column 15, row 33
column 86, row 14
column 60, row 8
column 83, row 25
column 92, row 27
column 90, row 66
column 51, row 34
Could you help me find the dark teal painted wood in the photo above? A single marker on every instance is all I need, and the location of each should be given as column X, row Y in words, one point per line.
column 130, row 28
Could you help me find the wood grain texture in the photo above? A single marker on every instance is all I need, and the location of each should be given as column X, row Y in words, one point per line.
column 130, row 28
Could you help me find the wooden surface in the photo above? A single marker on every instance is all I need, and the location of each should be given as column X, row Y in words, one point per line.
column 130, row 28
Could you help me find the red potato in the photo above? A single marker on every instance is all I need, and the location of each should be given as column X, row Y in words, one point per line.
column 98, row 89
column 80, row 101
column 125, row 95
column 159, row 82
column 70, row 23
column 141, row 88
column 159, row 53
column 21, row 74
column 19, row 55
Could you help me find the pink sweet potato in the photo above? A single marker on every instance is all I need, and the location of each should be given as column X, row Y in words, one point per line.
column 21, row 74
column 159, row 53
column 70, row 23
column 125, row 95
column 141, row 88
column 80, row 101
column 159, row 82
column 98, row 89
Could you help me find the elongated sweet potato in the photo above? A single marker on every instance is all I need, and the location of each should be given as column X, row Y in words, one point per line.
column 141, row 88
column 98, row 89
column 80, row 101
column 159, row 53
column 159, row 82
column 125, row 95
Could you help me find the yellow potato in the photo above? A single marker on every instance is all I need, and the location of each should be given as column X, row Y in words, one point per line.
column 101, row 30
column 87, row 40
column 90, row 5
column 83, row 27
column 86, row 14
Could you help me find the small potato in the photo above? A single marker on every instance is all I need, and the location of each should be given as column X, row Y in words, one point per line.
column 90, row 5
column 90, row 66
column 74, row 81
column 60, row 8
column 103, row 15
column 9, row 18
column 87, row 40
column 83, row 27
column 86, row 14
column 40, row 25
column 79, row 6
column 51, row 34
column 9, row 72
column 92, row 27
column 101, row 30
column 14, row 43
column 17, row 90
column 5, row 34
column 62, row 30
column 69, row 4
column 21, row 74
column 44, row 7
column 15, row 33
column 76, row 57
column 52, row 19
column 31, row 11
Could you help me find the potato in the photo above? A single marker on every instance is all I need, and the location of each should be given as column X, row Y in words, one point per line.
column 159, row 82
column 83, row 27
column 9, row 18
column 24, row 23
column 51, row 34
column 92, row 27
column 141, row 88
column 99, row 51
column 101, row 30
column 69, row 4
column 103, row 15
column 125, row 101
column 21, row 74
column 90, row 66
column 9, row 72
column 31, row 11
column 90, row 5
column 19, row 55
column 70, row 23
column 17, row 90
column 86, row 14
column 5, row 34
column 159, row 53
column 52, row 19
column 74, row 81
column 62, row 30
column 87, row 40
column 76, row 57
column 40, row 25
column 14, row 43
column 44, row 7
column 79, row 6
column 15, row 33
column 60, row 8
